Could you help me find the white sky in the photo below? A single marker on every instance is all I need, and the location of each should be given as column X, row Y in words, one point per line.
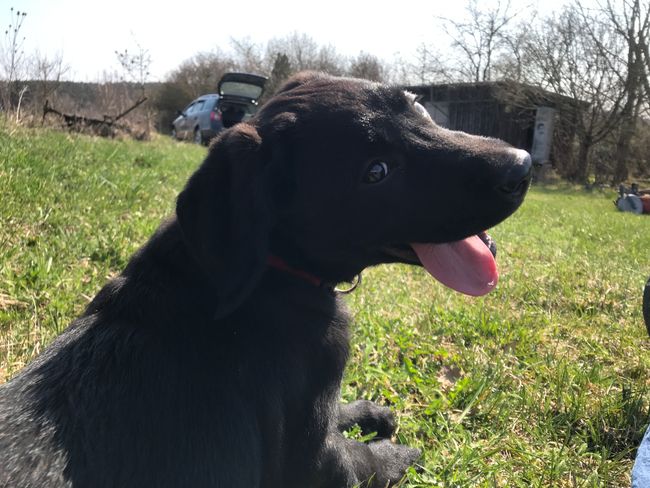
column 88, row 32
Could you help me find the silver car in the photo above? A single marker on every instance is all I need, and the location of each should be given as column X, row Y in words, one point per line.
column 205, row 117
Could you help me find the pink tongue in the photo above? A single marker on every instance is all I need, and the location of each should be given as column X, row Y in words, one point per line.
column 466, row 266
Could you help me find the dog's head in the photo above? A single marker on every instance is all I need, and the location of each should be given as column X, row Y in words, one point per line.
column 334, row 175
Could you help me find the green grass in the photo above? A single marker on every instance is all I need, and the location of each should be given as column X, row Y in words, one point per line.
column 73, row 209
column 541, row 383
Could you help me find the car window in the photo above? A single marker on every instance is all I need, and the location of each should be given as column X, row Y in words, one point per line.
column 241, row 89
column 189, row 109
column 198, row 106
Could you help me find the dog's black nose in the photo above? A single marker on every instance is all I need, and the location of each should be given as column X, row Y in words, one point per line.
column 517, row 178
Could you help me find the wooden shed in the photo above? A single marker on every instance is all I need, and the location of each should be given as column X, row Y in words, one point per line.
column 526, row 117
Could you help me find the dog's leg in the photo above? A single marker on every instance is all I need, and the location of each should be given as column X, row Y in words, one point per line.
column 348, row 463
column 367, row 415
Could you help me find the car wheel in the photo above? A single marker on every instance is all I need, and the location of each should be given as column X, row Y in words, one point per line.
column 198, row 138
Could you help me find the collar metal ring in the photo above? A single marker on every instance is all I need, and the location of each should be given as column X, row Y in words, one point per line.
column 353, row 286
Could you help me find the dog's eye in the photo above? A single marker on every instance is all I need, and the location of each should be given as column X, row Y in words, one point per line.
column 376, row 172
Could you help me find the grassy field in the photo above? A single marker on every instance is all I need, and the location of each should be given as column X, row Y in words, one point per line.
column 542, row 383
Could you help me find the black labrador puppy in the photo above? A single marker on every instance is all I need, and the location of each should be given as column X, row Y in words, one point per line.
column 215, row 358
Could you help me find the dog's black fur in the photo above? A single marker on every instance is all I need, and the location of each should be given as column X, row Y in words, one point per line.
column 200, row 365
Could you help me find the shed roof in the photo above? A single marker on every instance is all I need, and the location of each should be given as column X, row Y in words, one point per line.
column 511, row 92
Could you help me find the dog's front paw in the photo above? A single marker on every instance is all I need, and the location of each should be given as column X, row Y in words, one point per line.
column 393, row 460
column 369, row 416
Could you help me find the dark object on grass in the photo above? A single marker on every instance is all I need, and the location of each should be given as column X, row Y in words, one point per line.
column 108, row 126
column 646, row 305
column 633, row 200
column 208, row 363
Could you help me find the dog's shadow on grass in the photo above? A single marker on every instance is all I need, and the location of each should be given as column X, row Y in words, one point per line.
column 618, row 425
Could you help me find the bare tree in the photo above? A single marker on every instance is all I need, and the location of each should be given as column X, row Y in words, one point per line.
column 201, row 73
column 248, row 55
column 112, row 96
column 478, row 39
column 135, row 66
column 630, row 20
column 644, row 48
column 428, row 66
column 367, row 66
column 12, row 60
column 47, row 73
column 563, row 57
column 304, row 53
column 511, row 63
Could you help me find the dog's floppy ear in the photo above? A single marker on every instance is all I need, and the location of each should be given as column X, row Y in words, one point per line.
column 226, row 215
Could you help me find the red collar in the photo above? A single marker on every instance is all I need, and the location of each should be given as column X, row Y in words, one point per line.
column 280, row 264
